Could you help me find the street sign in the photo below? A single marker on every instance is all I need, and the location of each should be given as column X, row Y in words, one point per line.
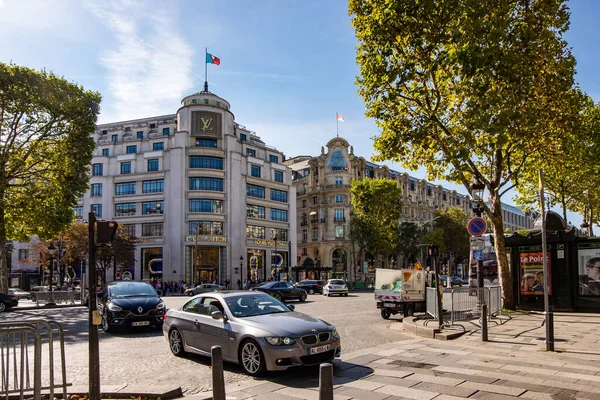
column 477, row 226
column 477, row 243
column 477, row 255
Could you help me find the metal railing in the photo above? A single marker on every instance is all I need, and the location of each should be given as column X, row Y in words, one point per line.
column 431, row 305
column 20, row 341
column 57, row 297
column 465, row 303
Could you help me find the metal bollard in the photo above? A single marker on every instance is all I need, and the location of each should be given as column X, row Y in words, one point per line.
column 326, row 382
column 484, row 326
column 218, row 380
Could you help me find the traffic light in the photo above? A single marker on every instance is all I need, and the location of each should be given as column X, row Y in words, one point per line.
column 105, row 231
column 432, row 251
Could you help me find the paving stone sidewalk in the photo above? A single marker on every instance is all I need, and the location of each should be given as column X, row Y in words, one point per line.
column 512, row 364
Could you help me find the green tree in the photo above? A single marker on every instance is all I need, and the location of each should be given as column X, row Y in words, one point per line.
column 46, row 147
column 449, row 233
column 410, row 236
column 376, row 212
column 467, row 88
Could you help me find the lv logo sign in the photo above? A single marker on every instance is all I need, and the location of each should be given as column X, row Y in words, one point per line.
column 207, row 124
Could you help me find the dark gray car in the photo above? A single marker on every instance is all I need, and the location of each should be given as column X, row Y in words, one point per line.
column 253, row 329
column 204, row 288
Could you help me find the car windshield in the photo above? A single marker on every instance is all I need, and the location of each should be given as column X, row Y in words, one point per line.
column 131, row 290
column 337, row 282
column 255, row 304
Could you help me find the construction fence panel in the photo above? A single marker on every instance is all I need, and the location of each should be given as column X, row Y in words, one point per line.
column 431, row 302
column 495, row 303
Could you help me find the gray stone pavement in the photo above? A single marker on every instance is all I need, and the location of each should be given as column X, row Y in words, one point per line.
column 512, row 364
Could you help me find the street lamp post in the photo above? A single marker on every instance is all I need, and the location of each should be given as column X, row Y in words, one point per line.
column 477, row 187
column 274, row 259
column 52, row 252
column 242, row 279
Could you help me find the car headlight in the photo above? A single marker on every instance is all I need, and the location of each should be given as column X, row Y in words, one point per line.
column 114, row 307
column 160, row 306
column 280, row 341
column 335, row 333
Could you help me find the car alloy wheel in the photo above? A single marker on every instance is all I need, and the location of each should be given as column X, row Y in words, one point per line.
column 311, row 291
column 176, row 343
column 105, row 324
column 2, row 307
column 277, row 296
column 252, row 360
column 303, row 297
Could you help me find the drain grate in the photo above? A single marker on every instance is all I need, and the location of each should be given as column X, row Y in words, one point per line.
column 412, row 364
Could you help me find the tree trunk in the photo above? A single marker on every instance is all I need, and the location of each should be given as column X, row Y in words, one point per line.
column 506, row 282
column 563, row 203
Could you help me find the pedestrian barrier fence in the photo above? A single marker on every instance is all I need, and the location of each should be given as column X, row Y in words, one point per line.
column 431, row 304
column 465, row 303
column 57, row 297
column 27, row 359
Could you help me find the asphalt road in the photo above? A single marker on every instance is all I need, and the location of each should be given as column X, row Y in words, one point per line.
column 142, row 357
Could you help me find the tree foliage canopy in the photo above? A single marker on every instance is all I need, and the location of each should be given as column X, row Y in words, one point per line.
column 449, row 232
column 46, row 147
column 466, row 88
column 376, row 212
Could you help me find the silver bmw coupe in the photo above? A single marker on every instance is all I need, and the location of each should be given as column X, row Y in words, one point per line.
column 253, row 329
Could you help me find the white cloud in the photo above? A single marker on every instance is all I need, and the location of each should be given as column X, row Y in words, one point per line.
column 1, row 3
column 149, row 63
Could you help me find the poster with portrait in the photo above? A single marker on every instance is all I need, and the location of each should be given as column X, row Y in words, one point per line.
column 588, row 256
column 532, row 274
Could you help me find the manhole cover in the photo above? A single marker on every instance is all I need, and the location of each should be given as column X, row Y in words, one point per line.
column 413, row 364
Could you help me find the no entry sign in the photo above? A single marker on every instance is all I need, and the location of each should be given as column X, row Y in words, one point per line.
column 477, row 226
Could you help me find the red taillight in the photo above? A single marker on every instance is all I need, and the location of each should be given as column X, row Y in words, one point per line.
column 165, row 317
column 329, row 286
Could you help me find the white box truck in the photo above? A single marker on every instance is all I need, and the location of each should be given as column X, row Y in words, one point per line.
column 399, row 291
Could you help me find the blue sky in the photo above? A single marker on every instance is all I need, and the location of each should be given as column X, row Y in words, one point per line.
column 286, row 66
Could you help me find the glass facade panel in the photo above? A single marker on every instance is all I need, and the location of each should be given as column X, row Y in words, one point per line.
column 206, row 206
column 255, row 171
column 153, row 165
column 97, row 170
column 124, row 189
column 97, row 209
column 278, row 215
column 251, row 152
column 214, row 184
column 255, row 191
column 206, row 143
column 206, row 228
column 279, row 195
column 124, row 209
column 152, row 229
column 155, row 186
column 158, row 146
column 206, row 162
column 273, row 159
column 255, row 232
column 125, row 168
column 152, row 207
column 253, row 211
column 96, row 190
column 278, row 176
column 131, row 149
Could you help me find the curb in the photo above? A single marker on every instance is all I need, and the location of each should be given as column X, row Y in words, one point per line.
column 409, row 325
column 167, row 395
column 29, row 308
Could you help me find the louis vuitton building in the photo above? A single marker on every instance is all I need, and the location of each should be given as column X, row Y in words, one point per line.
column 207, row 199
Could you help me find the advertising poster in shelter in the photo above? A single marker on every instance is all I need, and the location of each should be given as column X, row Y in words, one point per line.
column 588, row 256
column 532, row 273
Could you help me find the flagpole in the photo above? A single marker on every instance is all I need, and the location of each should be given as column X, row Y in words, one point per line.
column 205, row 70
column 337, row 125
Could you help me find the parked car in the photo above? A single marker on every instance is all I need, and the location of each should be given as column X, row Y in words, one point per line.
column 204, row 288
column 490, row 267
column 19, row 293
column 454, row 280
column 311, row 286
column 129, row 304
column 7, row 302
column 253, row 329
column 335, row 286
column 282, row 291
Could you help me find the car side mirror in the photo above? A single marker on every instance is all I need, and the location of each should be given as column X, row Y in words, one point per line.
column 217, row 315
column 291, row 307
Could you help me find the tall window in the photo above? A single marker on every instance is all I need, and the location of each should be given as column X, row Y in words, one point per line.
column 339, row 198
column 255, row 232
column 315, row 235
column 158, row 146
column 96, row 190
column 214, row 184
column 78, row 211
column 105, row 152
column 126, row 168
column 206, row 162
column 278, row 176
column 152, row 229
column 131, row 149
column 124, row 189
column 124, row 209
column 23, row 254
column 253, row 211
column 243, row 137
column 97, row 209
column 115, row 138
column 255, row 171
column 339, row 180
column 412, row 186
column 140, row 134
column 97, row 169
column 154, row 186
column 166, row 131
column 152, row 207
column 251, row 152
column 279, row 195
column 279, row 215
column 153, row 165
column 273, row 159
column 206, row 143
column 130, row 228
column 338, row 215
column 206, row 206
column 280, row 234
column 255, row 191
column 206, row 228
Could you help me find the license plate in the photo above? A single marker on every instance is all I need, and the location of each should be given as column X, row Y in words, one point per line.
column 317, row 350
column 140, row 323
column 392, row 305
